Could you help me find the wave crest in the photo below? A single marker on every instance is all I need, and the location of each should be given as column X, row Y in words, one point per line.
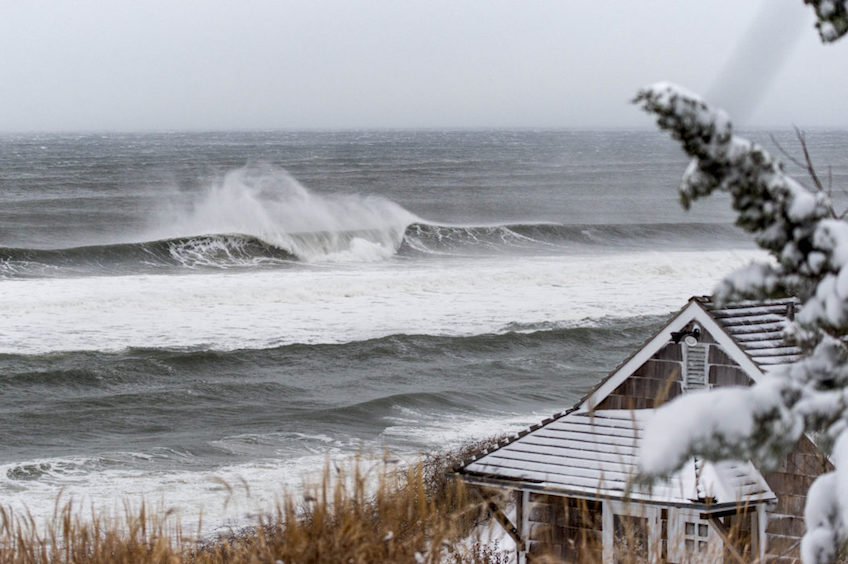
column 433, row 239
column 418, row 239
column 209, row 251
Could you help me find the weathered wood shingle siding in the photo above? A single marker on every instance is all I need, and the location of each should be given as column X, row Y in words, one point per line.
column 568, row 527
column 741, row 528
column 790, row 482
column 723, row 371
column 657, row 378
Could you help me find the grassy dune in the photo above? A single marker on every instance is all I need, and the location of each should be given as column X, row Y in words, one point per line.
column 364, row 513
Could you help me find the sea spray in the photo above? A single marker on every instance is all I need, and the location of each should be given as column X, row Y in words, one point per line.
column 264, row 201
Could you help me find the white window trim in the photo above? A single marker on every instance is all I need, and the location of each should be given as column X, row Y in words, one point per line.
column 762, row 520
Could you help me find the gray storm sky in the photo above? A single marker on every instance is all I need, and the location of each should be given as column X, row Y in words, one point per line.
column 261, row 64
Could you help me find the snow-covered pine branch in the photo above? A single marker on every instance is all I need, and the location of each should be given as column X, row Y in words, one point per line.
column 809, row 246
column 780, row 213
column 832, row 18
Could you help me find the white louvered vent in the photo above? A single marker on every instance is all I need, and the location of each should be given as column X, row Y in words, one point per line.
column 696, row 366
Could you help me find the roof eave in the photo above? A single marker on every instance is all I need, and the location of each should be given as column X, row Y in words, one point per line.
column 543, row 488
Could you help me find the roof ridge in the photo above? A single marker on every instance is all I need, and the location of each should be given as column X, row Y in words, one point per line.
column 713, row 305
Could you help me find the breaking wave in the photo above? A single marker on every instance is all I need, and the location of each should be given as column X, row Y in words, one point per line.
column 233, row 251
column 266, row 203
column 219, row 251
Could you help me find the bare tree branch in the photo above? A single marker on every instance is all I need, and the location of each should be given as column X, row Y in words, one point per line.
column 786, row 153
column 802, row 138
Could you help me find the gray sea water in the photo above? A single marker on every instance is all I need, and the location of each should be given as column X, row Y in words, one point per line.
column 179, row 308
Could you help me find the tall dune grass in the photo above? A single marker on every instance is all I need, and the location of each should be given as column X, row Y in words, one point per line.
column 368, row 511
column 364, row 512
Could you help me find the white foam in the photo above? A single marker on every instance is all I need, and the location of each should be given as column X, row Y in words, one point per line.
column 231, row 495
column 222, row 251
column 342, row 303
column 228, row 495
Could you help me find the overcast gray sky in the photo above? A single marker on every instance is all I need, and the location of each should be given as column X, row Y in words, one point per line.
column 191, row 64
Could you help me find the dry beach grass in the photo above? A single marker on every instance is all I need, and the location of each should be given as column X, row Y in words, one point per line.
column 372, row 510
column 366, row 512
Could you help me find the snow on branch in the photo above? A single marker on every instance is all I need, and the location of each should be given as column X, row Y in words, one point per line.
column 728, row 423
column 780, row 213
column 832, row 16
column 808, row 243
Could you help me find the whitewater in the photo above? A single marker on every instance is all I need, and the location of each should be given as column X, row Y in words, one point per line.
column 186, row 309
column 275, row 308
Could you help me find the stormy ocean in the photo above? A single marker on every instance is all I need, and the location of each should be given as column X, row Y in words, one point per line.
column 180, row 309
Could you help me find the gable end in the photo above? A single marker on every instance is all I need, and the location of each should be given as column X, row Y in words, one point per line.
column 652, row 374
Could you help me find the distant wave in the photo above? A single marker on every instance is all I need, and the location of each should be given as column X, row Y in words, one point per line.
column 227, row 251
column 444, row 239
column 260, row 216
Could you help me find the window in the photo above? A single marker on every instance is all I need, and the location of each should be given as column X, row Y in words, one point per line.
column 631, row 532
column 695, row 537
column 631, row 538
column 691, row 539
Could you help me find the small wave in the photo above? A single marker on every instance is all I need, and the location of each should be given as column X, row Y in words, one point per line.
column 47, row 469
column 443, row 239
column 359, row 245
column 220, row 251
column 434, row 239
column 373, row 415
column 28, row 471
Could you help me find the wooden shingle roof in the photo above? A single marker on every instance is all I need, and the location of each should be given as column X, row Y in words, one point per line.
column 594, row 455
column 757, row 327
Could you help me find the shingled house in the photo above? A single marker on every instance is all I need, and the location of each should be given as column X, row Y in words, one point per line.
column 571, row 476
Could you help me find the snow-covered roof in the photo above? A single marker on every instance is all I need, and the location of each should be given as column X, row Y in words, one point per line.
column 757, row 327
column 594, row 455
